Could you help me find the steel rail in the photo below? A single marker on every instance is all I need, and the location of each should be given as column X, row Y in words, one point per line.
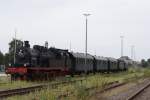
column 134, row 95
column 108, row 87
column 25, row 90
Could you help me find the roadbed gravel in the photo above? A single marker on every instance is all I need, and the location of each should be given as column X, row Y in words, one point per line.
column 122, row 92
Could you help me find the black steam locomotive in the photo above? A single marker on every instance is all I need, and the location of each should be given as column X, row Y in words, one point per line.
column 43, row 63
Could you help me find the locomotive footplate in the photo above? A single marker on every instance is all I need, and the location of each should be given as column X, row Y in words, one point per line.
column 16, row 70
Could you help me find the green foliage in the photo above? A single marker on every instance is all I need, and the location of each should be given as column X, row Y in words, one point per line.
column 42, row 95
column 144, row 63
column 81, row 92
column 19, row 44
column 7, row 84
column 148, row 60
column 134, row 69
column 1, row 58
column 6, row 59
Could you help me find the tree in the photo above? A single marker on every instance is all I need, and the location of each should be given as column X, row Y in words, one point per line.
column 148, row 60
column 144, row 63
column 1, row 58
column 10, row 55
column 6, row 59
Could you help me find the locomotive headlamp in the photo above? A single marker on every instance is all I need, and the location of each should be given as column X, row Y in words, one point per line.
column 25, row 65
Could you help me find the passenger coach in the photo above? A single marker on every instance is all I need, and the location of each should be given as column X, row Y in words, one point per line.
column 78, row 62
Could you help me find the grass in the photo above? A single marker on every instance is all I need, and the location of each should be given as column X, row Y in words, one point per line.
column 4, row 79
column 6, row 83
column 15, row 84
column 77, row 91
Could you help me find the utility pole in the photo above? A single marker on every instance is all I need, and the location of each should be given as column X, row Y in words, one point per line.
column 15, row 47
column 122, row 37
column 132, row 52
column 95, row 52
column 86, row 15
column 70, row 47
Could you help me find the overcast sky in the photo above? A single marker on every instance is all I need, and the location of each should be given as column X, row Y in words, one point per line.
column 61, row 23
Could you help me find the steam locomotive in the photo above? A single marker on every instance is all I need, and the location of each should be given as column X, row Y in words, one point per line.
column 41, row 62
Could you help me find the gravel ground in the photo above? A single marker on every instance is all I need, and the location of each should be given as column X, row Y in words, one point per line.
column 129, row 92
column 121, row 93
column 109, row 95
column 145, row 95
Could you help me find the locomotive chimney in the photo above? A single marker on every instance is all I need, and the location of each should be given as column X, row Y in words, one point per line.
column 26, row 44
column 46, row 44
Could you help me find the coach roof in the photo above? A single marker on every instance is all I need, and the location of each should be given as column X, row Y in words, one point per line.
column 112, row 59
column 100, row 58
column 82, row 55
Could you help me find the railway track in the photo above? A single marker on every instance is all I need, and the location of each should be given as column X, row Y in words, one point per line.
column 137, row 93
column 108, row 87
column 19, row 91
column 26, row 90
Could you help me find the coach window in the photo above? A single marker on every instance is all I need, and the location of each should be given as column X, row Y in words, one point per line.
column 112, row 64
column 77, row 60
column 83, row 61
column 115, row 63
column 87, row 60
column 101, row 63
column 104, row 63
column 80, row 60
